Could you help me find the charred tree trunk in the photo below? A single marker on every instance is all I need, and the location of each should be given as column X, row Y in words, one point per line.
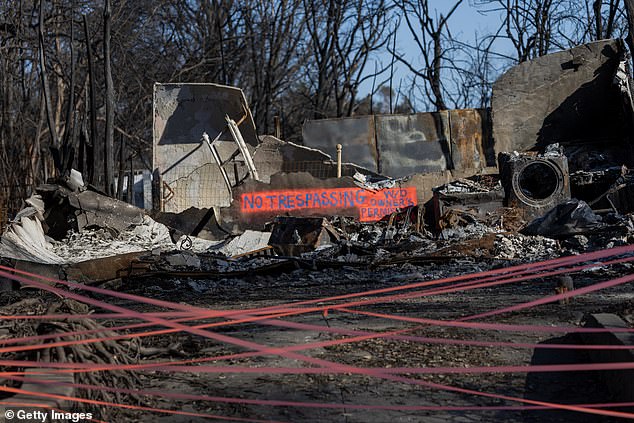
column 598, row 18
column 68, row 133
column 90, row 140
column 45, row 87
column 68, row 141
column 629, row 7
column 109, row 139
column 121, row 168
column 223, row 65
column 435, row 77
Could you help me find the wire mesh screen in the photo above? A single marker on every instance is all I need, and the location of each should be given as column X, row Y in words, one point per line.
column 201, row 187
column 318, row 169
column 204, row 186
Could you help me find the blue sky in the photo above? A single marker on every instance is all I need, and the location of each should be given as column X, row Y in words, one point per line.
column 466, row 20
column 464, row 24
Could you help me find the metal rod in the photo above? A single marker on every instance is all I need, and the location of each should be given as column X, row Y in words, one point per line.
column 216, row 157
column 278, row 127
column 237, row 136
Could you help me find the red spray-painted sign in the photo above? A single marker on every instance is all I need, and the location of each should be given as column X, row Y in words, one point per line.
column 372, row 206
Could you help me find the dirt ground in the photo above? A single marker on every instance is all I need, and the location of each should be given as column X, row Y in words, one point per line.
column 344, row 390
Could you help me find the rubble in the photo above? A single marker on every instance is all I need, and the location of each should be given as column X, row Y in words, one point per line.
column 374, row 184
column 592, row 186
column 68, row 210
column 619, row 195
column 518, row 246
column 569, row 218
column 100, row 242
column 193, row 244
column 272, row 220
column 408, row 221
column 246, row 243
column 183, row 260
column 96, row 226
column 193, row 219
column 294, row 235
column 24, row 239
column 465, row 201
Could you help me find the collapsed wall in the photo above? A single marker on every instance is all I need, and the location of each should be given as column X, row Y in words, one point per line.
column 403, row 145
column 182, row 161
column 577, row 98
column 574, row 98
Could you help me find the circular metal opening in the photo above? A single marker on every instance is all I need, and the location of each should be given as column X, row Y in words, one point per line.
column 538, row 181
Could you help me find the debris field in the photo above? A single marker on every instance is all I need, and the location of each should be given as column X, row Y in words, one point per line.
column 487, row 278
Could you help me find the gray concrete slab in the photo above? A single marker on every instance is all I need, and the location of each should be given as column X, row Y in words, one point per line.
column 565, row 97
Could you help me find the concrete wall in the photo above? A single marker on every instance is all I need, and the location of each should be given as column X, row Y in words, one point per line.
column 189, row 175
column 568, row 97
column 471, row 144
column 273, row 156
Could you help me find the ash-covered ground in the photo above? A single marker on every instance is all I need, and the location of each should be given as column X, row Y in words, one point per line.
column 314, row 280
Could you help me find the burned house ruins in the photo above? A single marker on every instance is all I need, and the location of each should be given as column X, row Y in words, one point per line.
column 391, row 266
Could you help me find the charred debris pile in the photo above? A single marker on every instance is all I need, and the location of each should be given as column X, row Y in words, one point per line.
column 369, row 201
column 538, row 176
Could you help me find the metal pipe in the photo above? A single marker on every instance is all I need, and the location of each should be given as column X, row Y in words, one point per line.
column 339, row 147
column 278, row 127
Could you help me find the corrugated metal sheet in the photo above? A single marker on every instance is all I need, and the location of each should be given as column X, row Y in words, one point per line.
column 355, row 134
column 413, row 143
column 408, row 144
column 466, row 129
